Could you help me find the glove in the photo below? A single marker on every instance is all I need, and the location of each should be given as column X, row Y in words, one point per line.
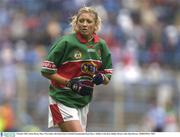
column 98, row 78
column 80, row 88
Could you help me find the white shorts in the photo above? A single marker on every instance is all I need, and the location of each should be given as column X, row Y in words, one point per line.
column 59, row 113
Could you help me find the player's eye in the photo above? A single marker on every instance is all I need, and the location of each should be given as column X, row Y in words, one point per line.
column 81, row 20
column 89, row 21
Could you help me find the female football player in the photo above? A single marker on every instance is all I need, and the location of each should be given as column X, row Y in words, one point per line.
column 75, row 63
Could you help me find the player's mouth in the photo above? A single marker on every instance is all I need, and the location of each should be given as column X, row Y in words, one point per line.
column 84, row 30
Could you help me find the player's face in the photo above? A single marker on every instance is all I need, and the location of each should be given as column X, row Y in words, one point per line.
column 86, row 24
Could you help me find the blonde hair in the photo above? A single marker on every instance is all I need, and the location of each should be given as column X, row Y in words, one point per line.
column 86, row 10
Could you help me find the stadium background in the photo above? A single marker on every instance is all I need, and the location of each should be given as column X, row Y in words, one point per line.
column 144, row 38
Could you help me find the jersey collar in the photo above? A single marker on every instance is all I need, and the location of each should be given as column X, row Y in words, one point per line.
column 82, row 40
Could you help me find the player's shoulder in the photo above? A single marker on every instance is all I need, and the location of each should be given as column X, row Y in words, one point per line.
column 102, row 41
column 69, row 37
column 65, row 37
column 61, row 40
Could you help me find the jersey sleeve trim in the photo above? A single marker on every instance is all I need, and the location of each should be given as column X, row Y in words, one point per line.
column 107, row 71
column 48, row 65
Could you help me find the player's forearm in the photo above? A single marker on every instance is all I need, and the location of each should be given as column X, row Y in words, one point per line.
column 55, row 77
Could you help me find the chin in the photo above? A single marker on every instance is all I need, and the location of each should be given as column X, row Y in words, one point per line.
column 85, row 34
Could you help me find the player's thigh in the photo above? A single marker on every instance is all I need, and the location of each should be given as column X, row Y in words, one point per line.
column 71, row 126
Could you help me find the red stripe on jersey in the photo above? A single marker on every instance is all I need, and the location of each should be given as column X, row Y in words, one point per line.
column 73, row 69
column 56, row 114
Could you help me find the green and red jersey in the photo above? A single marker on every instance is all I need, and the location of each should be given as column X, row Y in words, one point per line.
column 71, row 56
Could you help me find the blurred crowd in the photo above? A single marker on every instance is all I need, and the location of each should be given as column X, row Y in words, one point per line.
column 143, row 36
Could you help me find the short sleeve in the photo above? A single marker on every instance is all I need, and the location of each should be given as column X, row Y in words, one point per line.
column 106, row 68
column 54, row 57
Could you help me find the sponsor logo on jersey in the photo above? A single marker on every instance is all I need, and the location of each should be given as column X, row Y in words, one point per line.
column 89, row 68
column 77, row 54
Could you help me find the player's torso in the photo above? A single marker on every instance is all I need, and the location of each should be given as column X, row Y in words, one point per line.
column 80, row 59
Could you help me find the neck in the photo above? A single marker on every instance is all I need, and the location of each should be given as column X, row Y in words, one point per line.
column 88, row 37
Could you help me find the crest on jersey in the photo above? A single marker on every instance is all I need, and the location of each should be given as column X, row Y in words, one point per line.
column 77, row 54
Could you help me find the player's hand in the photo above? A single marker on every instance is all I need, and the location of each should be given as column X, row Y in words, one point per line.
column 80, row 88
column 98, row 78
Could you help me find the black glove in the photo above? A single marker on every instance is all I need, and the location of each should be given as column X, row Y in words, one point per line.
column 79, row 87
column 98, row 78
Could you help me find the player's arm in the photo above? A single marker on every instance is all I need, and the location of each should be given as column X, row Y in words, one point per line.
column 57, row 78
column 52, row 61
column 104, row 74
column 73, row 84
column 100, row 78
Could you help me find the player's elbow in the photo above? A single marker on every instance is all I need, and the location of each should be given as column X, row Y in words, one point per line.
column 45, row 74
